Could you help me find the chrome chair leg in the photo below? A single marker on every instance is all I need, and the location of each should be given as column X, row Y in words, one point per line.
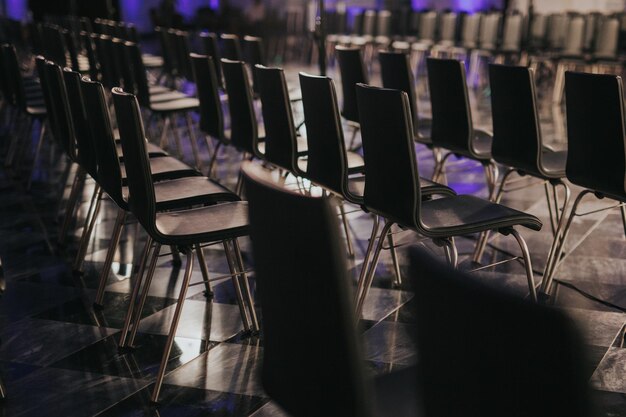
column 346, row 230
column 394, row 259
column 527, row 263
column 552, row 211
column 84, row 244
column 366, row 257
column 177, row 142
column 163, row 142
column 106, row 268
column 173, row 327
column 208, row 292
column 72, row 203
column 372, row 269
column 452, row 255
column 194, row 141
column 246, row 286
column 136, row 287
column 3, row 390
column 211, row 172
column 42, row 132
column 237, row 285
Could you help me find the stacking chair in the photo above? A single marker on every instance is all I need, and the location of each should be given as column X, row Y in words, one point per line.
column 471, row 339
column 392, row 190
column 352, row 71
column 328, row 162
column 517, row 140
column 452, row 126
column 595, row 153
column 487, row 44
column 210, row 48
column 186, row 229
column 318, row 378
column 395, row 71
column 253, row 54
column 231, row 47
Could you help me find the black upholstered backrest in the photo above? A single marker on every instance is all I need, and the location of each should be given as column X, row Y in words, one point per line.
column 103, row 52
column 80, row 123
column 90, row 49
column 211, row 115
column 253, row 54
column 395, row 71
column 109, row 171
column 327, row 162
column 391, row 181
column 482, row 352
column 595, row 132
column 452, row 119
column 211, row 48
column 243, row 124
column 58, row 96
column 319, row 378
column 14, row 76
column 141, row 199
column 231, row 47
column 516, row 131
column 183, row 49
column 139, row 71
column 280, row 132
column 352, row 70
column 125, row 65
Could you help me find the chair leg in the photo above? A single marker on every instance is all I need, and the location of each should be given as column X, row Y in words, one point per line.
column 104, row 274
column 452, row 255
column 346, row 230
column 623, row 211
column 179, row 145
column 163, row 142
column 372, row 269
column 84, row 243
column 366, row 257
column 394, row 259
column 237, row 285
column 3, row 390
column 144, row 296
column 194, row 141
column 42, row 132
column 438, row 174
column 208, row 292
column 355, row 130
column 246, row 286
column 133, row 298
column 527, row 263
column 72, row 203
column 552, row 211
column 173, row 327
column 211, row 173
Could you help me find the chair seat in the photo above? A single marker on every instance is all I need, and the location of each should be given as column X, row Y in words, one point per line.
column 36, row 110
column 152, row 61
column 166, row 168
column 205, row 224
column 356, row 186
column 395, row 393
column 186, row 192
column 167, row 95
column 465, row 214
column 182, row 105
column 158, row 89
column 553, row 163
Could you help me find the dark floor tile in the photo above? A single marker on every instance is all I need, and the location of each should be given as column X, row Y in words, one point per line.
column 608, row 404
column 390, row 342
column 22, row 299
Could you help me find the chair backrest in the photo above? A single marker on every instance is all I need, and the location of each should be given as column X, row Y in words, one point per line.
column 90, row 50
column 183, row 49
column 80, row 123
column 40, row 65
column 243, row 124
column 352, row 70
column 512, row 33
column 452, row 119
column 427, row 26
column 125, row 65
column 447, row 28
column 607, row 40
column 557, row 30
column 591, row 24
column 327, row 161
column 280, row 133
column 101, row 133
column 253, row 54
column 17, row 95
column 369, row 23
column 596, row 132
column 575, row 40
column 516, row 130
column 391, row 181
column 139, row 72
column 166, row 49
column 103, row 53
column 54, row 44
column 211, row 115
column 469, row 31
column 488, row 34
column 210, row 47
column 59, row 102
column 318, row 378
column 471, row 371
column 141, row 200
column 395, row 71
column 170, row 43
column 538, row 30
column 231, row 48
column 383, row 23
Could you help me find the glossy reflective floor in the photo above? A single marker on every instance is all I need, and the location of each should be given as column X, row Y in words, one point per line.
column 59, row 356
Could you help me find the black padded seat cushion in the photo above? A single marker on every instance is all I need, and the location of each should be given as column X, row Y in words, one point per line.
column 182, row 105
column 165, row 168
column 205, row 224
column 464, row 214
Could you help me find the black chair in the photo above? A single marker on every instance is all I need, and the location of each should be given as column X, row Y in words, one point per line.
column 483, row 352
column 253, row 54
column 318, row 378
column 185, row 229
column 396, row 73
column 392, row 190
column 452, row 126
column 211, row 48
column 595, row 152
column 328, row 162
column 517, row 139
column 352, row 71
column 231, row 47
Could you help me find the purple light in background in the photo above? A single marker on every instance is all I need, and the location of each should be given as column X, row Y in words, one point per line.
column 131, row 10
column 214, row 4
column 470, row 5
column 17, row 9
column 419, row 4
column 186, row 7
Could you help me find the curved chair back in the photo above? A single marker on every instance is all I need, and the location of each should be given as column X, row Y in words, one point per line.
column 538, row 30
column 90, row 49
column 141, row 201
column 383, row 23
column 125, row 65
column 468, row 372
column 427, row 26
column 447, row 28
column 327, row 161
column 253, row 54
column 556, row 31
column 488, row 34
column 452, row 118
column 591, row 25
column 211, row 115
column 210, row 47
column 280, row 133
column 369, row 23
column 352, row 70
column 104, row 59
column 469, row 32
column 512, row 33
column 59, row 102
column 109, row 171
column 231, row 47
column 516, row 130
column 395, row 70
column 80, row 123
column 596, row 132
column 14, row 77
column 183, row 49
column 574, row 43
column 244, row 133
column 607, row 39
column 391, row 182
column 139, row 74
column 330, row 373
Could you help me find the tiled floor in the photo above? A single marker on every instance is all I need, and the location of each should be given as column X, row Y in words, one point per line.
column 59, row 356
